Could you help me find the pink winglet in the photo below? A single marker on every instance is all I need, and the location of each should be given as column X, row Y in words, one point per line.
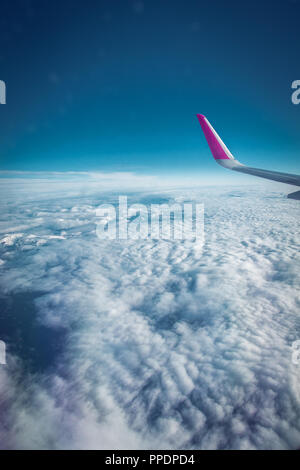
column 217, row 147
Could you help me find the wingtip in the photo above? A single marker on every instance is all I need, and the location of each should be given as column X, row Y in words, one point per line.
column 217, row 146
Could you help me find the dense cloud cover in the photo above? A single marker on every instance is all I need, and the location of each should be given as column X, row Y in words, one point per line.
column 149, row 343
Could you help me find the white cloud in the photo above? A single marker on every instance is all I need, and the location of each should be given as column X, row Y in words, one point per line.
column 165, row 346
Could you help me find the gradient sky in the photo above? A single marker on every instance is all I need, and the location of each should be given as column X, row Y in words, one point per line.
column 115, row 85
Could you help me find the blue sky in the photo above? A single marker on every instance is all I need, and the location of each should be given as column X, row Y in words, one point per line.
column 115, row 85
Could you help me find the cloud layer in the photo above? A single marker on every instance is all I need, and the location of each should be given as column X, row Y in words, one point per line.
column 165, row 345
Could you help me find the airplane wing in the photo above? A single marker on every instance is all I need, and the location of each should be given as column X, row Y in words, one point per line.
column 223, row 156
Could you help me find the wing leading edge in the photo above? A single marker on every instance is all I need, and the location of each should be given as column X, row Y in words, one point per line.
column 223, row 156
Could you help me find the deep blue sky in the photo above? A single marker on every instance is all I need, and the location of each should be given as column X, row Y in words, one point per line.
column 115, row 85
